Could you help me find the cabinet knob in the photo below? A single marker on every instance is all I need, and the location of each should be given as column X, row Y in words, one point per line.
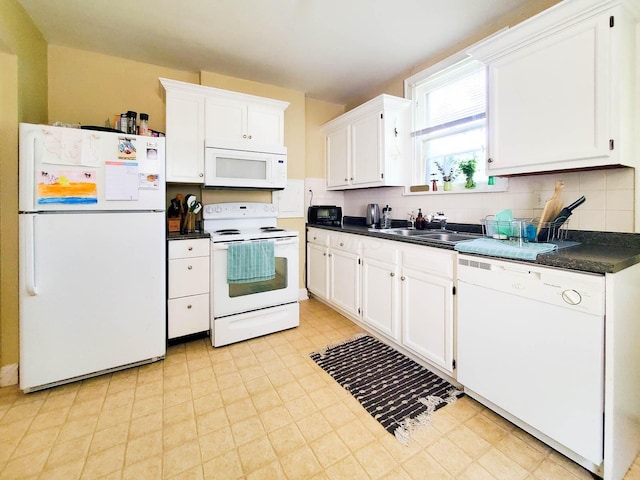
column 189, row 267
column 201, row 174
column 351, row 179
column 489, row 160
column 329, row 254
column 244, row 136
column 341, row 244
column 188, row 307
column 190, row 248
column 324, row 254
column 315, row 238
column 250, row 137
column 346, row 179
column 392, row 274
column 402, row 278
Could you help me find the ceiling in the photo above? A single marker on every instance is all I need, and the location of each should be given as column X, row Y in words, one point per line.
column 333, row 50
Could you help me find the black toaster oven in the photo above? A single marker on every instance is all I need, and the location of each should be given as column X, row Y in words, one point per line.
column 325, row 215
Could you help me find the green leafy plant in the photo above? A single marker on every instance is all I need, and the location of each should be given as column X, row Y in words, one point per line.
column 468, row 167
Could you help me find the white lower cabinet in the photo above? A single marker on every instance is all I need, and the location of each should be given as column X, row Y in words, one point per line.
column 403, row 292
column 318, row 262
column 188, row 288
column 380, row 287
column 427, row 304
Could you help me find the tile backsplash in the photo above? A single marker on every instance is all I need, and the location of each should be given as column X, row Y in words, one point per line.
column 609, row 202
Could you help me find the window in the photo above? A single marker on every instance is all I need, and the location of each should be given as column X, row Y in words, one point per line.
column 449, row 120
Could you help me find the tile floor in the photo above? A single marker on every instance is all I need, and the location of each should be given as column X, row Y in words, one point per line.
column 259, row 409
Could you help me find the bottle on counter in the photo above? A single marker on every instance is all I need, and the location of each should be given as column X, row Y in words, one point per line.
column 420, row 222
column 386, row 217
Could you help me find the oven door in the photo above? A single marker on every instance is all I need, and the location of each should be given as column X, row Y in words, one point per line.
column 229, row 299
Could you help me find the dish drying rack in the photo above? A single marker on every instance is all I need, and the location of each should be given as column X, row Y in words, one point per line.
column 526, row 229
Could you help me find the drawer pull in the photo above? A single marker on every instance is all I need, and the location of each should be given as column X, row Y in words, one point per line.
column 189, row 307
column 189, row 267
column 392, row 274
column 190, row 248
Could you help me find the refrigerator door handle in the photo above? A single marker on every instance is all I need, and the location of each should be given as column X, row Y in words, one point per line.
column 30, row 253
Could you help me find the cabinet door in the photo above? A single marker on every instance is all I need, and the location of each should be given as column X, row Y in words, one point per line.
column 366, row 160
column 265, row 126
column 317, row 270
column 226, row 121
column 548, row 102
column 427, row 317
column 380, row 307
column 345, row 281
column 337, row 155
column 185, row 137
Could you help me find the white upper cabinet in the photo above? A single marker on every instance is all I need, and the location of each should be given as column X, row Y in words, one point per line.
column 559, row 86
column 185, row 132
column 238, row 121
column 199, row 116
column 366, row 146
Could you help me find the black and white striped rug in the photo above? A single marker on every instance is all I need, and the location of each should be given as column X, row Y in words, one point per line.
column 395, row 390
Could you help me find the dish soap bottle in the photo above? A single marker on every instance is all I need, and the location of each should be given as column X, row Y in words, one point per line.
column 386, row 217
column 420, row 220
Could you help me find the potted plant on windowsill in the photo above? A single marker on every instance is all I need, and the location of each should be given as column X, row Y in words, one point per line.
column 468, row 167
column 449, row 171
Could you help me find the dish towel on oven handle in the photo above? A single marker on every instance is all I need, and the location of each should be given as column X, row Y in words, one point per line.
column 250, row 261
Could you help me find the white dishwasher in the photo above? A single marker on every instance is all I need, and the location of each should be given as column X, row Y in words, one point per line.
column 531, row 342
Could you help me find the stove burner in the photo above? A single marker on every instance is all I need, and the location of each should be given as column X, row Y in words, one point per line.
column 228, row 231
column 271, row 229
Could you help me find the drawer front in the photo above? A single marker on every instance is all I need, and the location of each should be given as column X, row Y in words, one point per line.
column 188, row 276
column 351, row 243
column 188, row 315
column 429, row 260
column 381, row 250
column 189, row 248
column 318, row 237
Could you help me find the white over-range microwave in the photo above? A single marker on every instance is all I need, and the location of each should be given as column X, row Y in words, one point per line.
column 226, row 168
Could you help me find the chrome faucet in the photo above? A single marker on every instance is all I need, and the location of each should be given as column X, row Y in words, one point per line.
column 439, row 216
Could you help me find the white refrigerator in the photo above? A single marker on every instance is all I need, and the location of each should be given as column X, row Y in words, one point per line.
column 92, row 253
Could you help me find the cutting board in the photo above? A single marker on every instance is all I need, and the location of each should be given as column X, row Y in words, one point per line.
column 553, row 206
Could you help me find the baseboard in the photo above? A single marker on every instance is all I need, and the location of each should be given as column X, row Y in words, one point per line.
column 9, row 375
column 303, row 294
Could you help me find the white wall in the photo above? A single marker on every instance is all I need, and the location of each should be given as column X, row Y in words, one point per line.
column 609, row 194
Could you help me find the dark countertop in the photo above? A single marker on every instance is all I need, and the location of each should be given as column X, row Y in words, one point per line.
column 186, row 236
column 598, row 252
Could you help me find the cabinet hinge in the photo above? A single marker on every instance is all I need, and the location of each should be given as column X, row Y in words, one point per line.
column 611, row 144
column 611, row 21
column 454, row 290
column 453, row 364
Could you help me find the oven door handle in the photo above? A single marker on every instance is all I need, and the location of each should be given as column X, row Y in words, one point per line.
column 279, row 242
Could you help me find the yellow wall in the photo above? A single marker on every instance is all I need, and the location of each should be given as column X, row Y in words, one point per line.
column 23, row 97
column 89, row 88
column 318, row 113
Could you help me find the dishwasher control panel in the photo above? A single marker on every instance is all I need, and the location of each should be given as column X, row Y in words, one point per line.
column 577, row 291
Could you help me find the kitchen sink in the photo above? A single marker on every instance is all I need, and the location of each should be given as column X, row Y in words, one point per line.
column 435, row 235
column 450, row 237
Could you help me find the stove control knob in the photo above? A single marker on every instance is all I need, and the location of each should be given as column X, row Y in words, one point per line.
column 208, row 209
column 572, row 297
column 218, row 209
column 266, row 208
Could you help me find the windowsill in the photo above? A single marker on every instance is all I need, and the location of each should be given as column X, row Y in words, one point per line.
column 501, row 185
